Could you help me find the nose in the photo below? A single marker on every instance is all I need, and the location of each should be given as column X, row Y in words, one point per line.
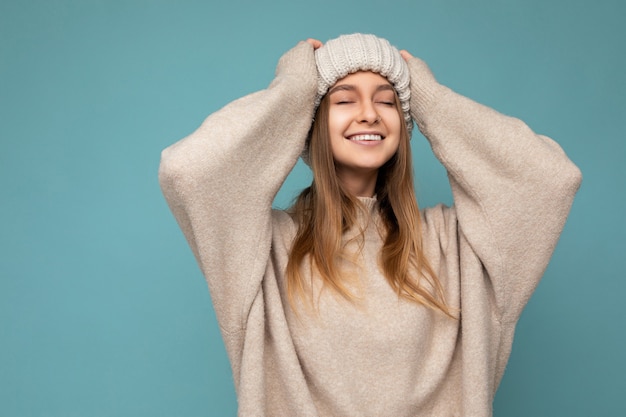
column 368, row 113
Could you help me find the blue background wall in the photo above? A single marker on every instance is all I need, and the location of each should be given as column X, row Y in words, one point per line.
column 103, row 311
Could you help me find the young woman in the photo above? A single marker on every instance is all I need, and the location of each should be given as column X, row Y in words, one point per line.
column 353, row 302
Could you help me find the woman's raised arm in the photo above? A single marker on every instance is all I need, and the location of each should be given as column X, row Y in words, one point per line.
column 221, row 180
column 512, row 188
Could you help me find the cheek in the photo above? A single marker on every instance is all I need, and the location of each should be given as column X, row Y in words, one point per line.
column 393, row 119
column 338, row 122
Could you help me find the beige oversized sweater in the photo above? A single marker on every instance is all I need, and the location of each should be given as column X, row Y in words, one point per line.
column 380, row 356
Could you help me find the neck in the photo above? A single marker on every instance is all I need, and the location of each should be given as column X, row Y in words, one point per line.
column 359, row 184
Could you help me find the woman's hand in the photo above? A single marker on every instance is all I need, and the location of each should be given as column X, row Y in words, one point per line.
column 314, row 43
column 405, row 54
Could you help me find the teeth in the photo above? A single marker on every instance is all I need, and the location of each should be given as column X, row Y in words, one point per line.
column 366, row 137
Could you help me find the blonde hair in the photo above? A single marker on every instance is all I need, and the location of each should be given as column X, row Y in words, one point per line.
column 325, row 211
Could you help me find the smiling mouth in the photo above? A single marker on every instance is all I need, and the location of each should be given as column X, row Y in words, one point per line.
column 366, row 137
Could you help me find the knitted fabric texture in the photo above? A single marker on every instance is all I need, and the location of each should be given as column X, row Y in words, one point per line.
column 360, row 52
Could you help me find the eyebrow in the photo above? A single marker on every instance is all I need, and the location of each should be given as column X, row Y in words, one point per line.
column 351, row 87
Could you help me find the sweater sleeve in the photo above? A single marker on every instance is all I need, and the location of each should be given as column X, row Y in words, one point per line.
column 512, row 188
column 221, row 180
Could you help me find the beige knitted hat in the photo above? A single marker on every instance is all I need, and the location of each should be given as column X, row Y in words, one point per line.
column 359, row 52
